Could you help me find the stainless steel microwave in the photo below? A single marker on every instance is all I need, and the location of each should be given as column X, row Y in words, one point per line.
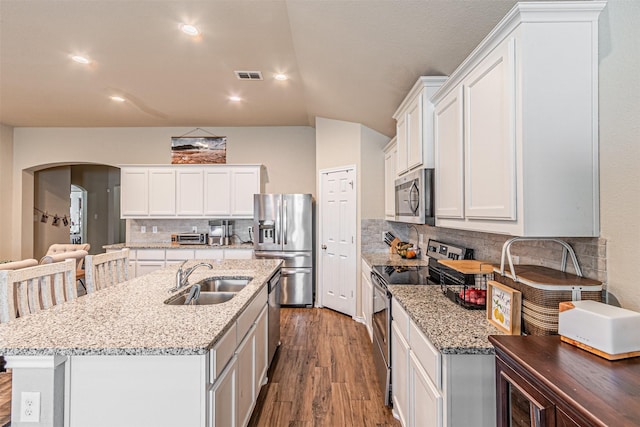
column 414, row 197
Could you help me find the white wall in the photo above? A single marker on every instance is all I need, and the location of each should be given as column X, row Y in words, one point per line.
column 6, row 184
column 620, row 147
column 288, row 154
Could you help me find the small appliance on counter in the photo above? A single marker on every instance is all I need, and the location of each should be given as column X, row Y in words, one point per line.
column 189, row 238
column 220, row 232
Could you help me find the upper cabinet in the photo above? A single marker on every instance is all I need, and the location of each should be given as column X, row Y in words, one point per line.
column 516, row 127
column 189, row 191
column 414, row 121
column 390, row 162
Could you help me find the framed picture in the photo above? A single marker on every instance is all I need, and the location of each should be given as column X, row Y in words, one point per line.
column 198, row 149
column 504, row 307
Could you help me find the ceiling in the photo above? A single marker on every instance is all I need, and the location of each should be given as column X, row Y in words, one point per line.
column 347, row 60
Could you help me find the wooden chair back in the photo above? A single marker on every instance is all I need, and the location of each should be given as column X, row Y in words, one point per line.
column 29, row 290
column 108, row 269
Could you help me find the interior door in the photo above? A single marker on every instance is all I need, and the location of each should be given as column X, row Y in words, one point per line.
column 338, row 239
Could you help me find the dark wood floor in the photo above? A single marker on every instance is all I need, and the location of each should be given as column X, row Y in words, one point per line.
column 322, row 375
column 5, row 398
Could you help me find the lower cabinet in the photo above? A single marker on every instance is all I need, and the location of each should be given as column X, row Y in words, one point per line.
column 434, row 389
column 223, row 397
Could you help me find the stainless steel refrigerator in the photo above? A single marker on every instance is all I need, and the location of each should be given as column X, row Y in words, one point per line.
column 283, row 228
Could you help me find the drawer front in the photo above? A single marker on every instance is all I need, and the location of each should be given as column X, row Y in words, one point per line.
column 150, row 254
column 249, row 316
column 222, row 353
column 426, row 353
column 401, row 318
column 209, row 254
column 179, row 254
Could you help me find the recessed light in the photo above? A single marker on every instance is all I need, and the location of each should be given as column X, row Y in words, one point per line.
column 80, row 59
column 117, row 98
column 189, row 30
column 281, row 77
column 235, row 98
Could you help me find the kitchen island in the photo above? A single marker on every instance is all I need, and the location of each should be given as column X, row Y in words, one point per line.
column 122, row 357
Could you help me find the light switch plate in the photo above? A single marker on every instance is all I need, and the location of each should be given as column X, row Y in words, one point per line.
column 143, row 229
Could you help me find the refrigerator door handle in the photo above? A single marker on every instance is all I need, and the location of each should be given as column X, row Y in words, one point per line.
column 278, row 224
column 284, row 221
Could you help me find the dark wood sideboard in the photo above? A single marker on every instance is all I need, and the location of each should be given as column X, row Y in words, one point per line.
column 543, row 378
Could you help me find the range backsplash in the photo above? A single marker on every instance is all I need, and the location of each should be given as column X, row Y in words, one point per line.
column 590, row 251
column 167, row 227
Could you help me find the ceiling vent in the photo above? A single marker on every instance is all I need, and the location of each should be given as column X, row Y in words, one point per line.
column 248, row 75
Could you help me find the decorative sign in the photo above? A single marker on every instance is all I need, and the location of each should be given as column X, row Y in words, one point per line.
column 198, row 149
column 503, row 307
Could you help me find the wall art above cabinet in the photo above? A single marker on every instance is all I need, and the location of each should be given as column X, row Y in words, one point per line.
column 188, row 191
column 414, row 122
column 516, row 127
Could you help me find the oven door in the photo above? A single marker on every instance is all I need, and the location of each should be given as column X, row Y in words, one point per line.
column 382, row 335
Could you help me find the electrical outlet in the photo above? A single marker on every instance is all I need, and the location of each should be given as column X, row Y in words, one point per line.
column 154, row 229
column 194, row 229
column 30, row 407
column 143, row 229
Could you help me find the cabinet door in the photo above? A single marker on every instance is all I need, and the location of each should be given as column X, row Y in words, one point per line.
column 426, row 399
column 414, row 134
column 400, row 374
column 402, row 132
column 261, row 350
column 223, row 401
column 245, row 182
column 190, row 192
column 238, row 254
column 217, row 194
column 246, row 375
column 162, row 192
column 389, row 182
column 490, row 141
column 449, row 153
column 134, row 192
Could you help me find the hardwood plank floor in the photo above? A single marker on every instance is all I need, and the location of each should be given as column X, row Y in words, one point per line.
column 322, row 375
column 5, row 398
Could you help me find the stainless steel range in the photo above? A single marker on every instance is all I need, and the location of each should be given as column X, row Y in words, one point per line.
column 384, row 275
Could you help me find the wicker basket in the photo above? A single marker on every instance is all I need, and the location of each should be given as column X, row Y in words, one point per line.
column 543, row 289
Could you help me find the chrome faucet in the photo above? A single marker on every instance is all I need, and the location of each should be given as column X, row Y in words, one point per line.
column 182, row 277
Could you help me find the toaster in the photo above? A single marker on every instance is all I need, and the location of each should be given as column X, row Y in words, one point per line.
column 191, row 239
column 608, row 331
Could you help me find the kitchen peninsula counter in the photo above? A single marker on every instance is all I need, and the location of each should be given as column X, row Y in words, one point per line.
column 131, row 318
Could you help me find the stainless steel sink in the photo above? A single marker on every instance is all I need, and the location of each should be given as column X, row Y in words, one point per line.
column 223, row 284
column 205, row 298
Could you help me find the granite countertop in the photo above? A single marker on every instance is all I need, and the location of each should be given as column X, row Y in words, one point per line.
column 132, row 319
column 169, row 245
column 450, row 328
column 386, row 258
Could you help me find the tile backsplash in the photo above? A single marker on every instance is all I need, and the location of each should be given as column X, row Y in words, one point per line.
column 167, row 227
column 591, row 252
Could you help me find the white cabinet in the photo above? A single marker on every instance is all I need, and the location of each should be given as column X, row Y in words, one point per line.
column 238, row 254
column 217, row 191
column 223, row 399
column 390, row 163
column 516, row 127
column 414, row 125
column 245, row 182
column 134, row 193
column 143, row 261
column 367, row 298
column 434, row 389
column 400, row 375
column 149, row 260
column 246, row 373
column 189, row 191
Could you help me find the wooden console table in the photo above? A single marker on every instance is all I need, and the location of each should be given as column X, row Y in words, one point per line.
column 544, row 382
